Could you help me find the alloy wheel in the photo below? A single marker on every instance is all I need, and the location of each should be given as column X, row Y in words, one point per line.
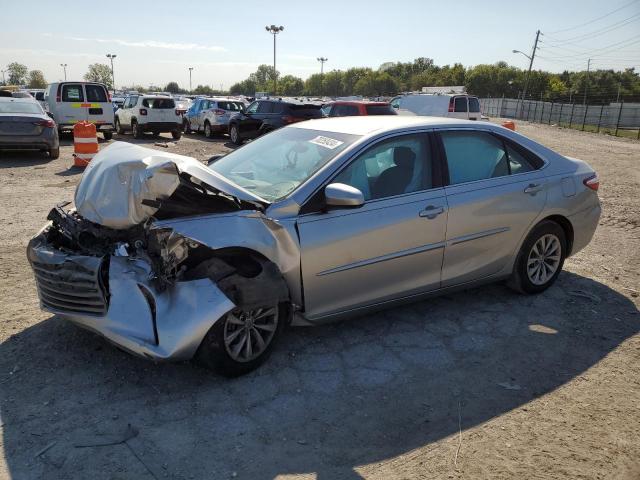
column 544, row 259
column 247, row 334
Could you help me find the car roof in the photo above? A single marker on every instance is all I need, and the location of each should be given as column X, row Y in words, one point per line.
column 357, row 102
column 367, row 125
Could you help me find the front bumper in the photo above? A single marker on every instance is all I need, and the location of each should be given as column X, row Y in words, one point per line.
column 116, row 297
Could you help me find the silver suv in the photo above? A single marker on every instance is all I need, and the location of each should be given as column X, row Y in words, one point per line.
column 211, row 115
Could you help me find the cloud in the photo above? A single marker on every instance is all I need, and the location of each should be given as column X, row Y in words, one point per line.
column 151, row 44
column 51, row 53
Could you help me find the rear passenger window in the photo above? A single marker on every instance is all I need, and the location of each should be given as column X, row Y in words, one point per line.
column 278, row 108
column 95, row 93
column 264, row 107
column 72, row 93
column 473, row 156
column 460, row 104
column 474, row 105
column 517, row 162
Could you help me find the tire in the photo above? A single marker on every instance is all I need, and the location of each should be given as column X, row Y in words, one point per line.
column 107, row 135
column 156, row 133
column 119, row 128
column 176, row 134
column 207, row 130
column 186, row 128
column 135, row 130
column 234, row 134
column 54, row 153
column 216, row 350
column 539, row 262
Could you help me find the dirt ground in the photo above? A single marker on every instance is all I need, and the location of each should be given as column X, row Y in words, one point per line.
column 478, row 384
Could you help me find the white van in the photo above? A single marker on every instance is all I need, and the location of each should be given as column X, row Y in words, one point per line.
column 73, row 102
column 439, row 105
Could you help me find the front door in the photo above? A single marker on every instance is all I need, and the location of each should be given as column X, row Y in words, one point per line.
column 390, row 247
column 496, row 192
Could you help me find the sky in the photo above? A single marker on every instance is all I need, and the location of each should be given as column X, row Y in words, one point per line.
column 157, row 41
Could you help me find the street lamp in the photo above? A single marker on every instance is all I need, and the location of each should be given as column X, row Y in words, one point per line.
column 64, row 66
column 190, row 70
column 321, row 60
column 518, row 51
column 111, row 56
column 273, row 30
column 4, row 80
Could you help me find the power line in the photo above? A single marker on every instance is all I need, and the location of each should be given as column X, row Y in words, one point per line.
column 601, row 50
column 597, row 33
column 595, row 19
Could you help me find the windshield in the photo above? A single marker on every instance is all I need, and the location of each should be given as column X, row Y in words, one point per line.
column 276, row 164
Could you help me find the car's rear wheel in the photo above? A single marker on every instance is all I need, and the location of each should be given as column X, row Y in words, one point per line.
column 107, row 135
column 119, row 128
column 243, row 339
column 540, row 259
column 54, row 153
column 207, row 130
column 156, row 133
column 176, row 134
column 234, row 134
column 136, row 130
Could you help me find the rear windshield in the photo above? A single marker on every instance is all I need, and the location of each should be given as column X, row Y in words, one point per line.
column 158, row 103
column 307, row 111
column 20, row 107
column 233, row 106
column 72, row 93
column 380, row 110
column 95, row 93
column 474, row 105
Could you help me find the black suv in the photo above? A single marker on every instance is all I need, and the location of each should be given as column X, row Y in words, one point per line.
column 262, row 116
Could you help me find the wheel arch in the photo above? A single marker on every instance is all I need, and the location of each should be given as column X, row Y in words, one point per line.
column 566, row 226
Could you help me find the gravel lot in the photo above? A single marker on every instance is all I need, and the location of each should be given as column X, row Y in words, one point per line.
column 483, row 383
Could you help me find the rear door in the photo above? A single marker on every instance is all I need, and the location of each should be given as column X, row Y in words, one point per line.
column 474, row 108
column 460, row 107
column 99, row 108
column 496, row 190
column 69, row 109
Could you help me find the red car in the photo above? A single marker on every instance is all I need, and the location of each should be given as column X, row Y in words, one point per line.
column 356, row 108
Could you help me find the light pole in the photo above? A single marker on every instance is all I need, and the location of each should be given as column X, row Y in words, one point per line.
column 273, row 30
column 530, row 57
column 321, row 60
column 111, row 56
column 4, row 80
column 64, row 66
column 190, row 88
column 586, row 84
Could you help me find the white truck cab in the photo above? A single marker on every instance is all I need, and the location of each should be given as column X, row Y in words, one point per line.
column 461, row 106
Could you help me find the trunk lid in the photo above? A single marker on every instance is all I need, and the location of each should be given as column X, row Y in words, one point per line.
column 20, row 125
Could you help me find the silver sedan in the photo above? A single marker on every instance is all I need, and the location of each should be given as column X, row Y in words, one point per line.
column 324, row 219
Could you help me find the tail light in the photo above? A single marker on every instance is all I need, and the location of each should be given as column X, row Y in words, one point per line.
column 143, row 111
column 59, row 93
column 108, row 95
column 45, row 123
column 592, row 182
column 291, row 119
column 451, row 104
column 218, row 111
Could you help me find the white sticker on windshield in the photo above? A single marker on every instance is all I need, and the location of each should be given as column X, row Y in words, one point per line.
column 326, row 142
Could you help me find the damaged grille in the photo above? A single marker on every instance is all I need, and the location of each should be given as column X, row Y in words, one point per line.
column 72, row 287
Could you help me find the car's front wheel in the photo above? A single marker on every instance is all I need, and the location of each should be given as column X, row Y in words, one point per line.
column 243, row 339
column 540, row 259
column 234, row 134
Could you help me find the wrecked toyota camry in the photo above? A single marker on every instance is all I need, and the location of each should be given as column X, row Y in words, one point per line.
column 172, row 259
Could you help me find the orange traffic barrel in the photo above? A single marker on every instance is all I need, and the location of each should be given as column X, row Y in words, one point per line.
column 509, row 124
column 85, row 143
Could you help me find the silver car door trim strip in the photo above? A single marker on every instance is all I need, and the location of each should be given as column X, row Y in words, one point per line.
column 475, row 236
column 383, row 258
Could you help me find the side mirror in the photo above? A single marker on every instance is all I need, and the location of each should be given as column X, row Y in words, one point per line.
column 341, row 195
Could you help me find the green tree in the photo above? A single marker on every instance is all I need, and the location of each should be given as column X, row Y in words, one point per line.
column 36, row 79
column 100, row 73
column 332, row 84
column 376, row 84
column 312, row 85
column 202, row 90
column 291, row 86
column 17, row 73
column 351, row 77
column 173, row 87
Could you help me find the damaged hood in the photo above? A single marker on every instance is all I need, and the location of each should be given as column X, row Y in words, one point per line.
column 122, row 176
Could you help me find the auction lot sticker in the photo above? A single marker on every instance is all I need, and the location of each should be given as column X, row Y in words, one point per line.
column 326, row 142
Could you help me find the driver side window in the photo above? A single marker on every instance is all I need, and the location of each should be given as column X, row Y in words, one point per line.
column 393, row 167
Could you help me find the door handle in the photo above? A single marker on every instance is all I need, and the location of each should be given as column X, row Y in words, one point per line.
column 533, row 188
column 431, row 212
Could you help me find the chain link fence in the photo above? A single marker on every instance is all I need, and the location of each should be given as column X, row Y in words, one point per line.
column 618, row 119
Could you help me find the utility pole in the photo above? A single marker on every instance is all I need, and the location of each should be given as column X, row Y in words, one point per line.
column 321, row 60
column 64, row 66
column 273, row 30
column 618, row 96
column 111, row 56
column 190, row 88
column 530, row 57
column 4, row 80
column 586, row 84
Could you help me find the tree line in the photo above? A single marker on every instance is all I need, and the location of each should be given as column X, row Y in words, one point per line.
column 495, row 80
